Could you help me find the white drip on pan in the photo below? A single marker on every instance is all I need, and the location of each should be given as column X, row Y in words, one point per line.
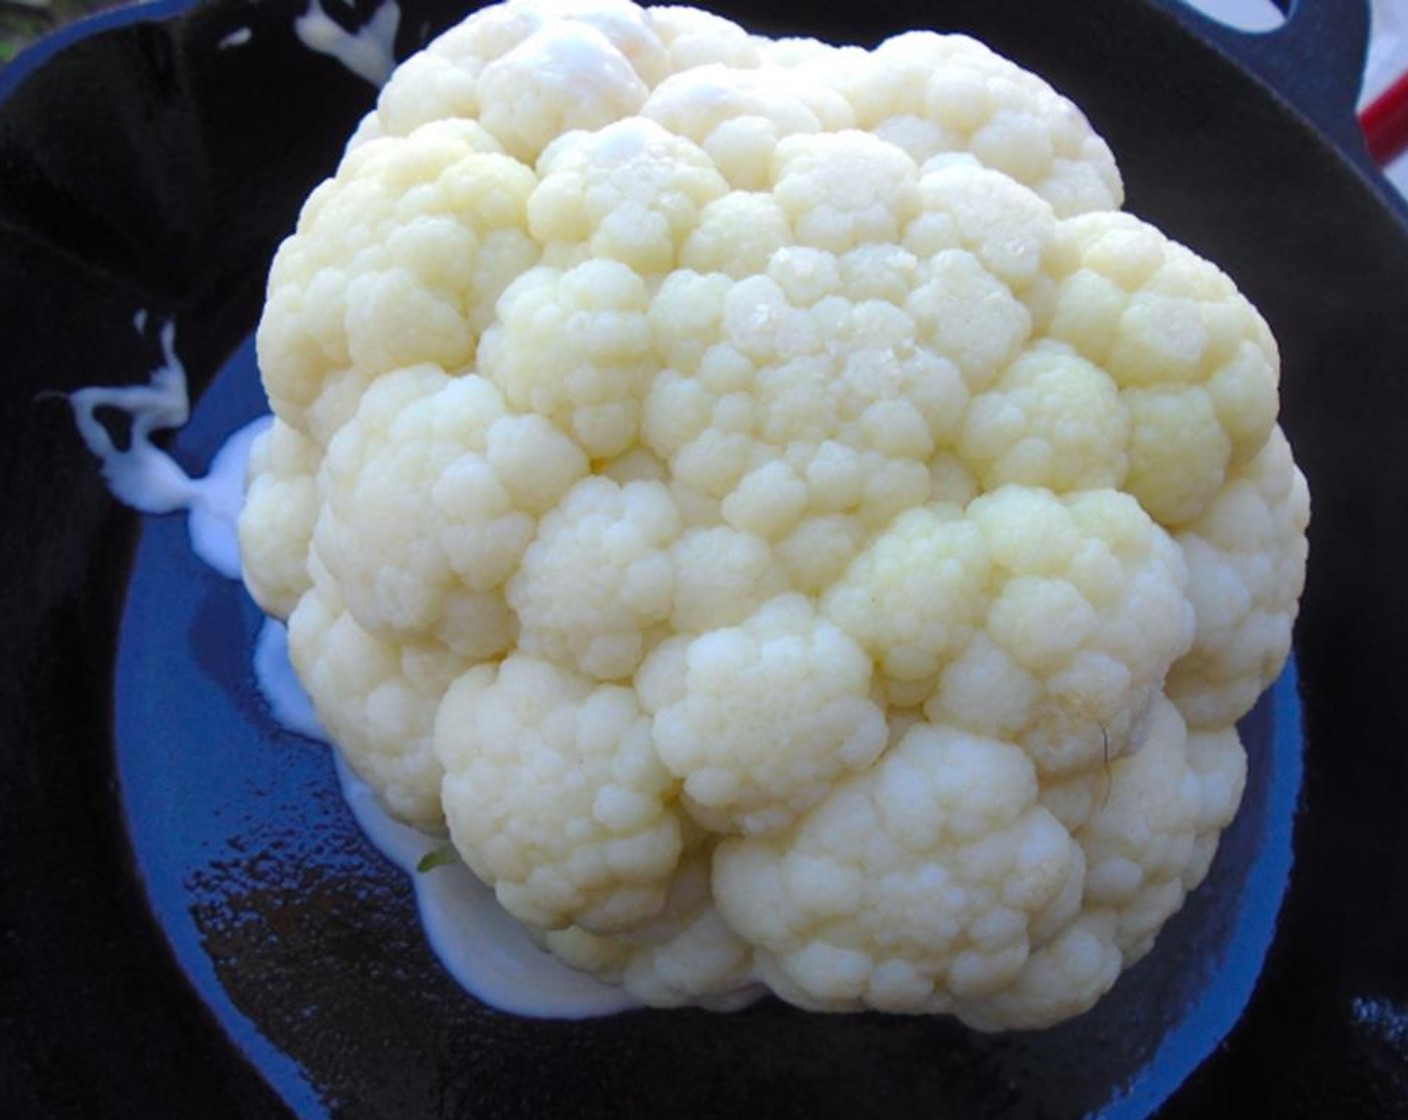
column 369, row 52
column 487, row 952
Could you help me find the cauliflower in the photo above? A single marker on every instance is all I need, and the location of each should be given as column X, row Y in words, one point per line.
column 773, row 510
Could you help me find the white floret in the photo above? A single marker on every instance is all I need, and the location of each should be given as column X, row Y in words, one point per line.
column 1195, row 364
column 738, row 116
column 430, row 504
column 276, row 523
column 686, row 955
column 1052, row 419
column 554, row 795
column 920, row 885
column 376, row 699
column 376, row 280
column 968, row 315
column 442, row 81
column 938, row 94
column 630, row 192
column 598, row 577
column 564, row 76
column 1088, row 612
column 844, row 190
column 761, row 719
column 721, row 577
column 1146, row 844
column 916, row 597
column 576, row 347
column 698, row 38
column 1246, row 566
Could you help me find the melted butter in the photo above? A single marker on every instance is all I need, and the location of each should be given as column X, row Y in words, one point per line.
column 488, row 952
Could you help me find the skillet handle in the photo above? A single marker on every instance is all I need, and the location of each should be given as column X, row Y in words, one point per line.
column 1314, row 61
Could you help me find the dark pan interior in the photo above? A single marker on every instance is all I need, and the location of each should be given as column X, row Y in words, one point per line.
column 142, row 167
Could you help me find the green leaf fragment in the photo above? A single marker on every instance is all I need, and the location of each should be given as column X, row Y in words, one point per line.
column 437, row 858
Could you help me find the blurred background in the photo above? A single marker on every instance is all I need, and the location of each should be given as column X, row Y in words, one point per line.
column 23, row 21
column 1388, row 48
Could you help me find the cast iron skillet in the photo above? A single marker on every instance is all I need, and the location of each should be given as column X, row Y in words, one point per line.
column 143, row 167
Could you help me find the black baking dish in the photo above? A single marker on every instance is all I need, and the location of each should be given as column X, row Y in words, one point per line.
column 143, row 166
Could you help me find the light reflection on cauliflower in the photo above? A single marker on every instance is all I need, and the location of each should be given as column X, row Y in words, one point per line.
column 772, row 508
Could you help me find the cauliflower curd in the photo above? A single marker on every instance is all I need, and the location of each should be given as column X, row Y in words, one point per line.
column 767, row 503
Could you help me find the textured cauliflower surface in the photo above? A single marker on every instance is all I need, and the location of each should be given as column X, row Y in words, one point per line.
column 773, row 509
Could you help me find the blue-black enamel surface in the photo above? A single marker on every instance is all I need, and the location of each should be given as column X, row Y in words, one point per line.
column 295, row 932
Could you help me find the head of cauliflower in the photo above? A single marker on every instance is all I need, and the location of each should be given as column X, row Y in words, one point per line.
column 768, row 503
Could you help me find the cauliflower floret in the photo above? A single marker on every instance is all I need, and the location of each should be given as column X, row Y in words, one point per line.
column 1053, row 420
column 1146, row 844
column 598, row 577
column 697, row 38
column 687, row 955
column 968, row 315
column 280, row 509
column 376, row 699
column 576, row 347
column 1246, row 561
column 760, row 719
column 764, row 500
column 412, row 472
column 1003, row 224
column 380, row 276
column 630, row 192
column 721, row 577
column 555, row 795
column 1050, row 620
column 916, row 596
column 843, row 190
column 1195, row 364
column 738, row 116
column 567, row 75
column 916, row 886
column 937, row 94
column 1090, row 613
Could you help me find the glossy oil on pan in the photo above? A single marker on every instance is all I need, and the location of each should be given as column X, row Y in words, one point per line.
column 190, row 923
